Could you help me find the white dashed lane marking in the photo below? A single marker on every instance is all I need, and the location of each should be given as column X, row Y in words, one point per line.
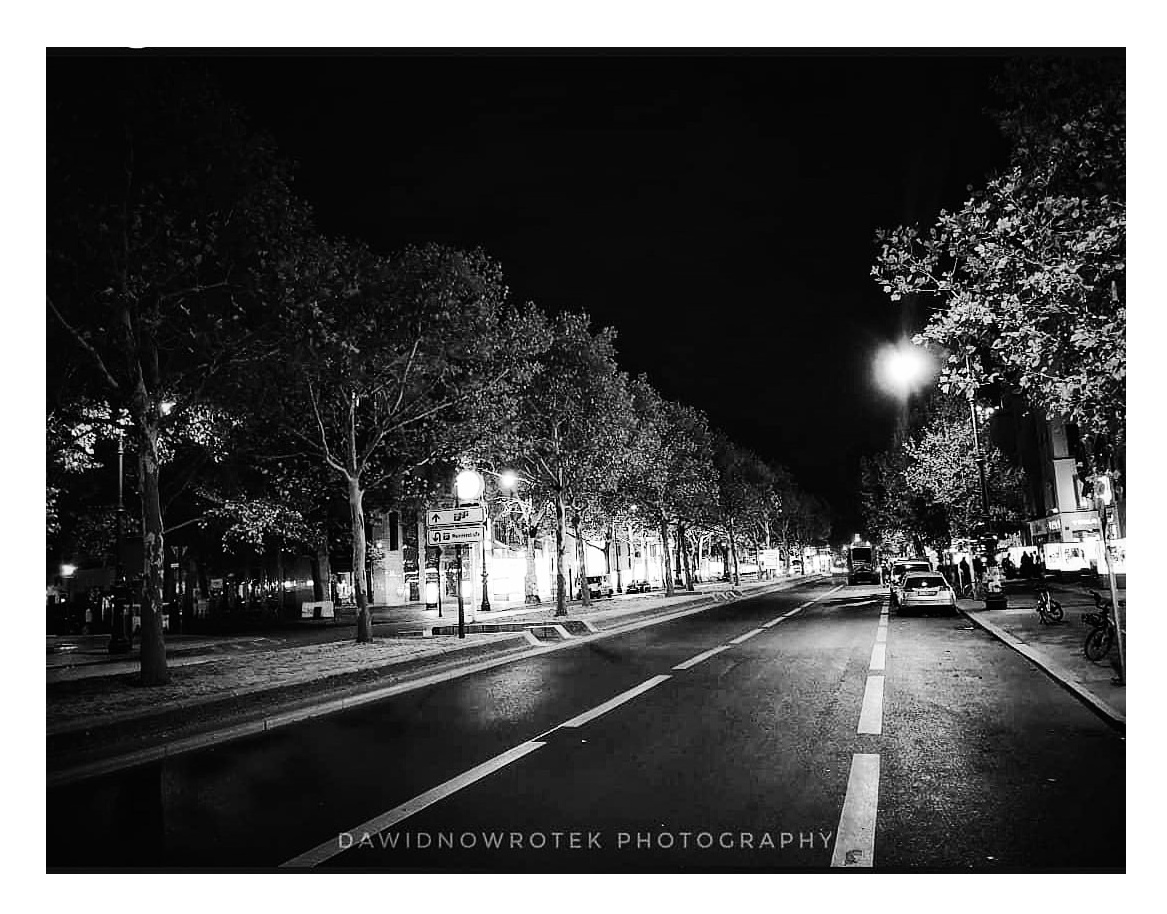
column 693, row 661
column 855, row 836
column 611, row 703
column 871, row 717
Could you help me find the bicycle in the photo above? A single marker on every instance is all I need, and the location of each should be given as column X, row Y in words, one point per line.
column 1103, row 630
column 1049, row 610
column 974, row 590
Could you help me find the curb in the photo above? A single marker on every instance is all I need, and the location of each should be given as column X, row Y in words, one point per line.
column 317, row 708
column 183, row 704
column 1060, row 674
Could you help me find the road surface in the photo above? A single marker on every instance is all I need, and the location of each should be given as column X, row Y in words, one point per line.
column 801, row 729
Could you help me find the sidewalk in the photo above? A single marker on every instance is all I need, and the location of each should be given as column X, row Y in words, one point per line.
column 1057, row 648
column 93, row 719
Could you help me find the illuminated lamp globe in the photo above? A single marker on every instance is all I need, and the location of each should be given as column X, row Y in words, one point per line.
column 508, row 480
column 468, row 486
column 902, row 369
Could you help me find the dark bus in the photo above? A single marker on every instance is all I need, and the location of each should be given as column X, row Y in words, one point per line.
column 862, row 565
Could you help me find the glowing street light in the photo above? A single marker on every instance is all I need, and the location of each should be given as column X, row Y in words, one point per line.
column 468, row 485
column 902, row 369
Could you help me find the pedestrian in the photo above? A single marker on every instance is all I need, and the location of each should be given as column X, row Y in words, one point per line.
column 978, row 567
column 965, row 573
column 1026, row 565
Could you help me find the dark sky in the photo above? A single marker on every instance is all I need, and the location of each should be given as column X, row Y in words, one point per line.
column 717, row 210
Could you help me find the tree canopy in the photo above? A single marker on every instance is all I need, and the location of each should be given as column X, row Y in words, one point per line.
column 1029, row 274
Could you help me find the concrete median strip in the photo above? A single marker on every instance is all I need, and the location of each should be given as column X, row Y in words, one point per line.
column 1051, row 668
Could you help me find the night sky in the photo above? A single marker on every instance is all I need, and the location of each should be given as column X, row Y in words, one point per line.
column 718, row 210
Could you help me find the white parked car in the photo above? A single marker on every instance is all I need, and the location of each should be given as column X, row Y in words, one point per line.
column 923, row 591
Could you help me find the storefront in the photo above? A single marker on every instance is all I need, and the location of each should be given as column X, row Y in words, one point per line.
column 1070, row 527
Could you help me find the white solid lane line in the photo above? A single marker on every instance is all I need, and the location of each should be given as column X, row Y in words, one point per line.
column 881, row 634
column 746, row 637
column 855, row 836
column 871, row 717
column 332, row 847
column 611, row 703
column 878, row 655
column 693, row 661
column 773, row 622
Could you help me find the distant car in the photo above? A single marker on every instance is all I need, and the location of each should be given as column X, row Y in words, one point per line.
column 638, row 587
column 920, row 591
column 598, row 587
column 900, row 567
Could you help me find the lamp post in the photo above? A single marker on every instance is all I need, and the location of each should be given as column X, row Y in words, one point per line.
column 902, row 369
column 468, row 486
column 988, row 541
column 118, row 642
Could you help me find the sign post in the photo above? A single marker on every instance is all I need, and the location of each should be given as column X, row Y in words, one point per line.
column 1103, row 496
column 461, row 607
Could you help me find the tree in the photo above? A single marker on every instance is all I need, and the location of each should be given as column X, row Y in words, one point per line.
column 164, row 207
column 386, row 365
column 1030, row 272
column 942, row 471
column 671, row 478
column 925, row 489
column 570, row 430
column 745, row 485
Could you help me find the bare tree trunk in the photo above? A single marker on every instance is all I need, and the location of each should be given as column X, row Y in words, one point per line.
column 323, row 569
column 683, row 539
column 280, row 582
column 560, row 555
column 153, row 649
column 616, row 548
column 531, row 578
column 667, row 564
column 737, row 580
column 581, row 551
column 357, row 515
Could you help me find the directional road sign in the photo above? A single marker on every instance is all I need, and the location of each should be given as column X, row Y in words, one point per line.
column 450, row 517
column 452, row 536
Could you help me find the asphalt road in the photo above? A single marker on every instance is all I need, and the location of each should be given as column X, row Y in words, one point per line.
column 606, row 756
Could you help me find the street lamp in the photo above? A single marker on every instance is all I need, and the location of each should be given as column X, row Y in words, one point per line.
column 902, row 369
column 470, row 487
